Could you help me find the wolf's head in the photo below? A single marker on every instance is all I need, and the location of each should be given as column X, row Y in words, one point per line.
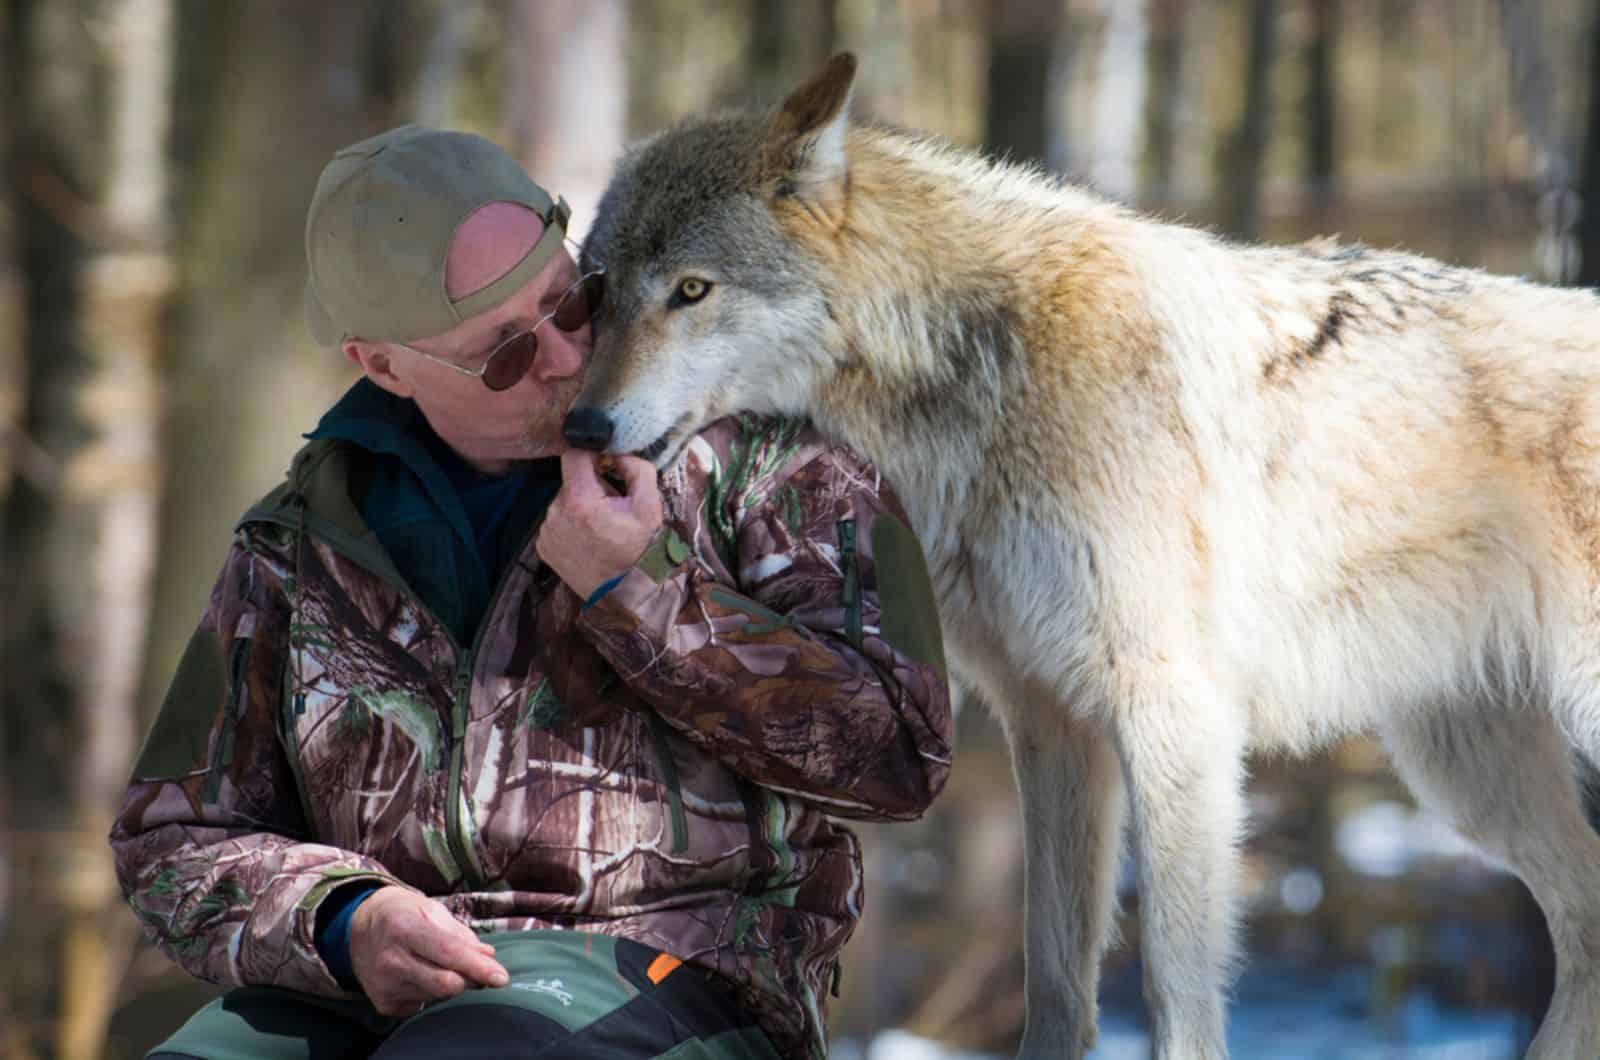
column 712, row 304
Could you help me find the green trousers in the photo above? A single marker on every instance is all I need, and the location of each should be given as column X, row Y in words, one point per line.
column 572, row 994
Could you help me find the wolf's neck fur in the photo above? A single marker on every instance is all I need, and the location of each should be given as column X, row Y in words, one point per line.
column 936, row 279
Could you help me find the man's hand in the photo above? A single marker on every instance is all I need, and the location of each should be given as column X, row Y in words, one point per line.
column 592, row 533
column 407, row 949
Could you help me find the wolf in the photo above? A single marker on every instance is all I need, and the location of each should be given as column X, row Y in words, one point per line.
column 1181, row 500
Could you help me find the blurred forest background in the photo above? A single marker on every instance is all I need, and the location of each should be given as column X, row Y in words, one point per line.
column 158, row 156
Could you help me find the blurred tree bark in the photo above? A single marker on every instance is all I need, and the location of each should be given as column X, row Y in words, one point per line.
column 105, row 554
column 1245, row 154
column 1533, row 92
column 1022, row 47
column 1166, row 55
column 567, row 96
column 1395, row 42
column 12, row 323
column 788, row 40
column 95, row 170
column 12, row 381
column 766, row 76
column 1321, row 110
column 1589, row 189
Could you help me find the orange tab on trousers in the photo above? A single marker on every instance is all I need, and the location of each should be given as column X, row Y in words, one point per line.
column 661, row 967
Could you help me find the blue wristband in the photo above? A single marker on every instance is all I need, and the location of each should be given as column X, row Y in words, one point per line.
column 594, row 597
column 333, row 938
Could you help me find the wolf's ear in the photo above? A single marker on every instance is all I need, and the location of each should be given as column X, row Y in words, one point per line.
column 805, row 152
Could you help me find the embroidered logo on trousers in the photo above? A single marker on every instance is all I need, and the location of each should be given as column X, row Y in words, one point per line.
column 554, row 987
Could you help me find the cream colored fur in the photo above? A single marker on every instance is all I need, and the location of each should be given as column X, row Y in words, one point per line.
column 1181, row 500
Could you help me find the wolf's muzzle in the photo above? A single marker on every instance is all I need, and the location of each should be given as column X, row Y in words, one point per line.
column 587, row 428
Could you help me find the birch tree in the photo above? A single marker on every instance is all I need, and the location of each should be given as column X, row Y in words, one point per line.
column 1121, row 84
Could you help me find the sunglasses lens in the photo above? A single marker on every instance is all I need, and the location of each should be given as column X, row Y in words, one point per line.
column 510, row 362
column 578, row 307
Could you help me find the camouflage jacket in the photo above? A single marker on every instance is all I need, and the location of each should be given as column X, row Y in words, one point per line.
column 663, row 765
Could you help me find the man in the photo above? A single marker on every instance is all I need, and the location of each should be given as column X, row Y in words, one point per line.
column 478, row 753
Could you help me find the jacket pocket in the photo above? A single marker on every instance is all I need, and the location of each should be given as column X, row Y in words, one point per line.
column 667, row 766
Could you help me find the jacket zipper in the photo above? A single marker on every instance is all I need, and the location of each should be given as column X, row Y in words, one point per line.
column 455, row 836
column 459, row 701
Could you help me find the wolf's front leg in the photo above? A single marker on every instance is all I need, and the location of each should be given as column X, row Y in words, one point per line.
column 1183, row 756
column 1071, row 789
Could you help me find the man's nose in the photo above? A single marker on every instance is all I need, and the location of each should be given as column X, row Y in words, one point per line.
column 562, row 354
column 587, row 428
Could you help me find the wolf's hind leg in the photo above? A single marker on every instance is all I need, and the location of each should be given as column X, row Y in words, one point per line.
column 1504, row 778
column 1070, row 785
column 1184, row 761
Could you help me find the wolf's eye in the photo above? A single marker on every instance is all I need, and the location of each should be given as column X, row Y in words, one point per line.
column 690, row 290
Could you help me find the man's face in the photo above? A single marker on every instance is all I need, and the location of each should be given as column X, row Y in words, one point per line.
column 489, row 428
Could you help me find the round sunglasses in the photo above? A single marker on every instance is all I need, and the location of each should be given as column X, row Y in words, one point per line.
column 511, row 358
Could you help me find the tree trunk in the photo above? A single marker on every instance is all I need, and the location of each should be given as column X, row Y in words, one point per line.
column 568, row 96
column 1167, row 22
column 105, row 554
column 1022, row 49
column 1120, row 86
column 94, row 168
column 1322, row 155
column 1533, row 92
column 787, row 40
column 12, row 328
column 1244, row 168
column 764, row 50
column 1589, row 190
column 12, row 381
column 1589, row 194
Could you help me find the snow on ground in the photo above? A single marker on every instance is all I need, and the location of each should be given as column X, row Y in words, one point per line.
column 1269, row 1022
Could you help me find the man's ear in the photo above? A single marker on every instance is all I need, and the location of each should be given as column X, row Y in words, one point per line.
column 805, row 150
column 377, row 366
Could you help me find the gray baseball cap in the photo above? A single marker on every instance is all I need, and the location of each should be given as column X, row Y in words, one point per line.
column 380, row 225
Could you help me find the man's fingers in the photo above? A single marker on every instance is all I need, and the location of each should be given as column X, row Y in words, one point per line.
column 409, row 981
column 644, row 488
column 465, row 956
column 639, row 475
column 578, row 475
column 435, row 983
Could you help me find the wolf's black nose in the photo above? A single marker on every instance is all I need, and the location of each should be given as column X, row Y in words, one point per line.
column 587, row 429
